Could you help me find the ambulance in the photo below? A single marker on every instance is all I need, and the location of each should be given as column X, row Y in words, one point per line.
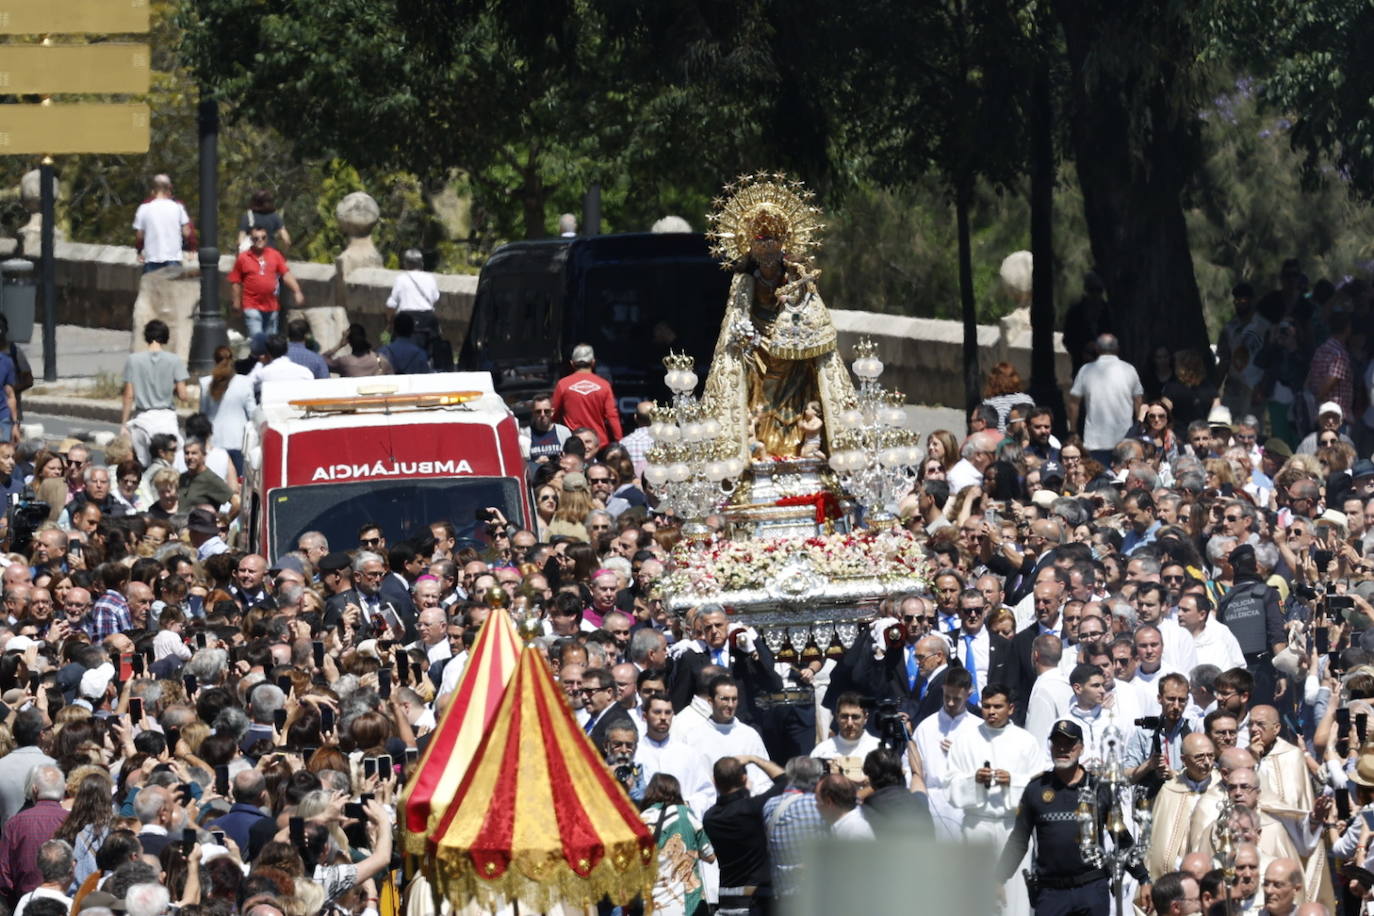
column 399, row 451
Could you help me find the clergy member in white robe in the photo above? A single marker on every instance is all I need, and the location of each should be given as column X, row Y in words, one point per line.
column 934, row 736
column 1013, row 757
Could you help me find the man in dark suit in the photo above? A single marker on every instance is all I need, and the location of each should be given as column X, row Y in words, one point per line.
column 750, row 664
column 982, row 652
column 897, row 675
column 370, row 590
column 932, row 654
column 1049, row 602
column 603, row 712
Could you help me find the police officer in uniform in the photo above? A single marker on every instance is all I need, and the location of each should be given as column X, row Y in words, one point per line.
column 1063, row 884
column 1251, row 609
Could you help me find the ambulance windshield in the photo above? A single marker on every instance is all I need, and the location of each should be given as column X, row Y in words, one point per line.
column 402, row 507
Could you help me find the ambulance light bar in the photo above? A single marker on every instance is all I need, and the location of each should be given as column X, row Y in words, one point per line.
column 384, row 400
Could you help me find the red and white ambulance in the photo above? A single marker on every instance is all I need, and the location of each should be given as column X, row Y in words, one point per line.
column 400, row 451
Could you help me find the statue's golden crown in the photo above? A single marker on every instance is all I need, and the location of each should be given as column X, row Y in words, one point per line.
column 765, row 204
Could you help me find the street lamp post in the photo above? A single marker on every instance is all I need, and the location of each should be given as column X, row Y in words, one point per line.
column 210, row 330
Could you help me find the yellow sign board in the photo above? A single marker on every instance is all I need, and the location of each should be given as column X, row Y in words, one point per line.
column 54, row 130
column 73, row 17
column 115, row 68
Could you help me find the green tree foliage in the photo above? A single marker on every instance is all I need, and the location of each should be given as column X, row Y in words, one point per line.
column 532, row 102
column 1312, row 65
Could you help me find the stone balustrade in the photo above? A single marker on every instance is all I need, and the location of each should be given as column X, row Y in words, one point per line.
column 104, row 286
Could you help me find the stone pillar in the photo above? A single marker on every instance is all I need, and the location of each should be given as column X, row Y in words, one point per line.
column 357, row 215
column 30, row 234
column 170, row 294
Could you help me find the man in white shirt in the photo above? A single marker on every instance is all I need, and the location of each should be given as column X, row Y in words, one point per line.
column 57, row 866
column 1213, row 641
column 160, row 227
column 274, row 366
column 723, row 735
column 1122, row 699
column 838, row 803
column 1151, row 603
column 934, row 736
column 432, row 625
column 851, row 743
column 979, row 451
column 1051, row 696
column 1112, row 390
column 661, row 751
column 697, row 713
column 1087, row 712
column 415, row 292
column 1150, row 668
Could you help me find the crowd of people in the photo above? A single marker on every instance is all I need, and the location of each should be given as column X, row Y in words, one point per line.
column 189, row 726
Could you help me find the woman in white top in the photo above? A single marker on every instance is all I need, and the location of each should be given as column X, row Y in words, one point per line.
column 227, row 399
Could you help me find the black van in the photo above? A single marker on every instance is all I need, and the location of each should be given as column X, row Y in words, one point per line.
column 632, row 297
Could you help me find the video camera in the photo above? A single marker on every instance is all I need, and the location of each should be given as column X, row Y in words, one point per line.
column 24, row 516
column 892, row 731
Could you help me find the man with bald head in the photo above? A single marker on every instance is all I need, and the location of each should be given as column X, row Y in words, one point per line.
column 1195, row 864
column 932, row 654
column 1246, row 892
column 1110, row 390
column 16, row 574
column 1048, row 597
column 1287, row 838
column 1177, row 800
column 1282, row 887
column 1282, row 770
column 1285, row 784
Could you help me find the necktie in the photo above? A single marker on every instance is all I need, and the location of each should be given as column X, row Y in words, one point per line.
column 912, row 669
column 971, row 665
column 718, row 656
column 591, row 722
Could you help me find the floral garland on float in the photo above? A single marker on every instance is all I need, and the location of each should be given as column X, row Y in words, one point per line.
column 801, row 594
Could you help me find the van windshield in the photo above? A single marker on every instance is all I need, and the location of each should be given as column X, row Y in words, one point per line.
column 401, row 507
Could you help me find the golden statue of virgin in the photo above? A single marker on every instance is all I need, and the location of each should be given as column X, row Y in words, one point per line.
column 776, row 354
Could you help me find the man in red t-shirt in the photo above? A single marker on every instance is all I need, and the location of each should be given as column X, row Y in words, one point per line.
column 254, row 281
column 585, row 398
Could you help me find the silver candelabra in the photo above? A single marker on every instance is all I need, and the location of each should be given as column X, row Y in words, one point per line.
column 873, row 451
column 690, row 466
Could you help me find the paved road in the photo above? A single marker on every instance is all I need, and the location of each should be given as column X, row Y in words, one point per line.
column 85, row 353
column 81, row 352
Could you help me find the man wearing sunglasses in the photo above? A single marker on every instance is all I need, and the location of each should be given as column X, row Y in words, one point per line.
column 984, row 654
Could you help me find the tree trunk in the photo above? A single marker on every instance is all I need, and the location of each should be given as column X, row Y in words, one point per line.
column 532, row 199
column 962, row 195
column 1136, row 147
column 1044, row 387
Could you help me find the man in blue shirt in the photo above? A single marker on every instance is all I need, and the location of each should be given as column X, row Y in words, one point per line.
column 296, row 350
column 405, row 356
column 1140, row 512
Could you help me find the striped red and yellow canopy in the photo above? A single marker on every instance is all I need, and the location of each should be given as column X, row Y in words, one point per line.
column 491, row 663
column 538, row 818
